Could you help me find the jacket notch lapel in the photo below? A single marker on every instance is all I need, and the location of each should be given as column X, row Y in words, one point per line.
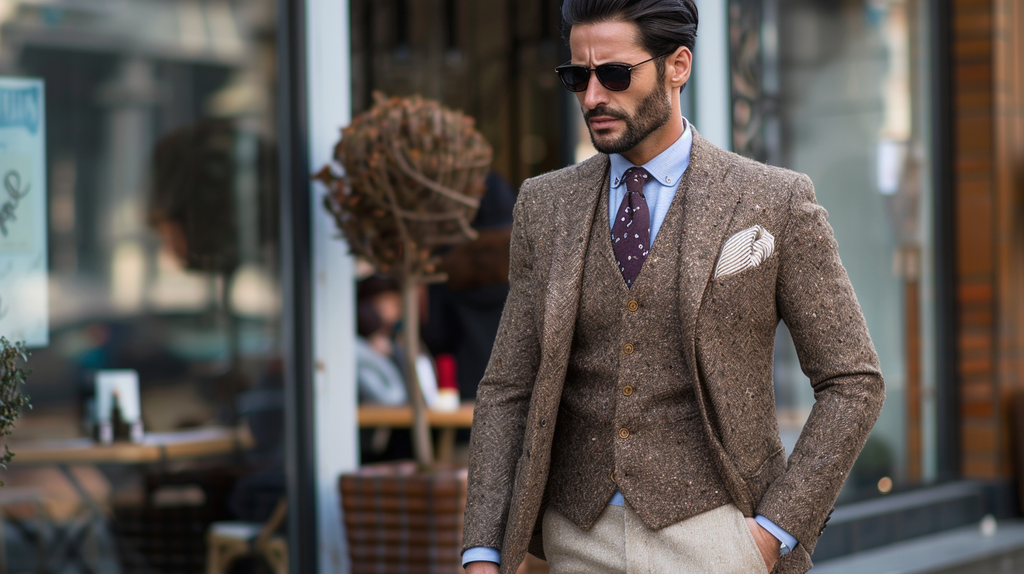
column 709, row 206
column 574, row 220
column 574, row 215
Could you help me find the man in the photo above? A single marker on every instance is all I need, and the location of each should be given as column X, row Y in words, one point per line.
column 626, row 420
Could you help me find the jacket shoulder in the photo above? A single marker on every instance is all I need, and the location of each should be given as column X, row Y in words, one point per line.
column 765, row 194
column 756, row 176
column 764, row 189
column 556, row 185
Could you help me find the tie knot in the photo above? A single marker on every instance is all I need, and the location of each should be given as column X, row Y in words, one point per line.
column 635, row 177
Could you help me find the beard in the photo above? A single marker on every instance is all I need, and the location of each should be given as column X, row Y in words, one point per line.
column 652, row 113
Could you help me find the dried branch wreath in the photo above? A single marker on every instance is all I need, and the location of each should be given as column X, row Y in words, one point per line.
column 413, row 177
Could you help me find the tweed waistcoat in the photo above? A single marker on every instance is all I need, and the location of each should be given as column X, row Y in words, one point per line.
column 628, row 412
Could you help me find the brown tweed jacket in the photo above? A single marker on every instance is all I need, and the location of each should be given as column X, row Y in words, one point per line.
column 729, row 324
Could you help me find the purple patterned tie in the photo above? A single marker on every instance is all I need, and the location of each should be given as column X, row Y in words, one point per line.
column 631, row 232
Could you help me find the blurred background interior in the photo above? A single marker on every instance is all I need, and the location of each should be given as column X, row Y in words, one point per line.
column 165, row 248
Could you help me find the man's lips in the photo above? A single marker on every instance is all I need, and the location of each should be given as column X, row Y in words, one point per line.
column 602, row 122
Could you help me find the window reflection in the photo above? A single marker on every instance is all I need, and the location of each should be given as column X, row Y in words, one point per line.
column 853, row 109
column 163, row 259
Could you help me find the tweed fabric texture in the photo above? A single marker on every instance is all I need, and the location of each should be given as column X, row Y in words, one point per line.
column 717, row 541
column 728, row 325
column 646, row 392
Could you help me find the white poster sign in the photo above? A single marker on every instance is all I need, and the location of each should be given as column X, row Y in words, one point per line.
column 23, row 288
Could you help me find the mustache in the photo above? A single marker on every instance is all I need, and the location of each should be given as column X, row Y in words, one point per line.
column 604, row 111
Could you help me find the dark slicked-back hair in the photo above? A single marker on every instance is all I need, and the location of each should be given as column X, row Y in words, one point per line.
column 664, row 24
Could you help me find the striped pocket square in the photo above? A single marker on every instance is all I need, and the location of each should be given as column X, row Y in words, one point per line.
column 745, row 250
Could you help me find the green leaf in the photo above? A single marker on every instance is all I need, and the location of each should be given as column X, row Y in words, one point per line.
column 11, row 399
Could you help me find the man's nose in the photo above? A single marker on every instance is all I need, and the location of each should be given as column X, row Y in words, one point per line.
column 596, row 94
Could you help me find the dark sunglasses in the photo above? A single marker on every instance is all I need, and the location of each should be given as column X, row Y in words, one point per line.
column 615, row 77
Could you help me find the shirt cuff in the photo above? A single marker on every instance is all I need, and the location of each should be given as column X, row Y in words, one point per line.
column 481, row 554
column 783, row 536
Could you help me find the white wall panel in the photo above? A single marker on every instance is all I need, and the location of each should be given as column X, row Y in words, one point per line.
column 328, row 65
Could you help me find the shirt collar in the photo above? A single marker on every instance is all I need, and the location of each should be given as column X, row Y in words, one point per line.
column 667, row 167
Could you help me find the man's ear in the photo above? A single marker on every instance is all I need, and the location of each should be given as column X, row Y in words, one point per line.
column 677, row 67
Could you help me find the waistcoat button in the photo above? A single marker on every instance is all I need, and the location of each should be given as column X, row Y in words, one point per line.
column 632, row 305
column 623, row 433
column 628, row 348
column 627, row 390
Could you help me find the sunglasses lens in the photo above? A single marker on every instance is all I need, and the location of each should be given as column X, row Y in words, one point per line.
column 615, row 77
column 574, row 78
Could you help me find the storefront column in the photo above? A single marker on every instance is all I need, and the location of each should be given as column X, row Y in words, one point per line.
column 711, row 74
column 334, row 381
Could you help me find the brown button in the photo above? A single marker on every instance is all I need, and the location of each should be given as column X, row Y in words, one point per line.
column 613, row 476
column 632, row 305
column 623, row 433
column 627, row 390
column 628, row 348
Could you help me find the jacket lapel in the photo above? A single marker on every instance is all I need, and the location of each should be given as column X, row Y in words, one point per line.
column 709, row 205
column 574, row 219
column 574, row 214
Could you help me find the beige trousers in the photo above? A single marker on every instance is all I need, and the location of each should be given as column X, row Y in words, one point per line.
column 715, row 542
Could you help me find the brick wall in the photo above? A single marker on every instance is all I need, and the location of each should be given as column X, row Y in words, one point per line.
column 987, row 152
column 1008, row 172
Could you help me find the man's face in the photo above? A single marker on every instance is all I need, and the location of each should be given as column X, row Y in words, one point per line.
column 619, row 121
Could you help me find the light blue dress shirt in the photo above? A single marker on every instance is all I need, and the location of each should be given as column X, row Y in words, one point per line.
column 666, row 169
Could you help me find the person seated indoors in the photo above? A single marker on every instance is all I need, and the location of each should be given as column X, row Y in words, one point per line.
column 379, row 307
column 378, row 365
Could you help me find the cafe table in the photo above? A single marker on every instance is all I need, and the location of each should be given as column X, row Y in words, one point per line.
column 377, row 416
column 154, row 448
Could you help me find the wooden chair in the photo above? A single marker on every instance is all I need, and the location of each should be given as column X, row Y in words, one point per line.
column 228, row 541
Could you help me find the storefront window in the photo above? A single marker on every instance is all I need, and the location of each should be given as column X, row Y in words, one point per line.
column 495, row 61
column 162, row 262
column 847, row 84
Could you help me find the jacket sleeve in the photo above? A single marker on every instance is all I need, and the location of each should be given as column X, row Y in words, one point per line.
column 503, row 397
column 816, row 300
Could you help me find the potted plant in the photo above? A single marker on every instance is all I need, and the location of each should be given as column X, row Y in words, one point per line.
column 413, row 176
column 12, row 400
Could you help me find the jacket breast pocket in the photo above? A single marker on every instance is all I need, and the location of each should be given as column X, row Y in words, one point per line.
column 740, row 309
column 748, row 290
column 767, row 267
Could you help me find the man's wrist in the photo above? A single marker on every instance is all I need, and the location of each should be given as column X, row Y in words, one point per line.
column 786, row 540
column 481, row 554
